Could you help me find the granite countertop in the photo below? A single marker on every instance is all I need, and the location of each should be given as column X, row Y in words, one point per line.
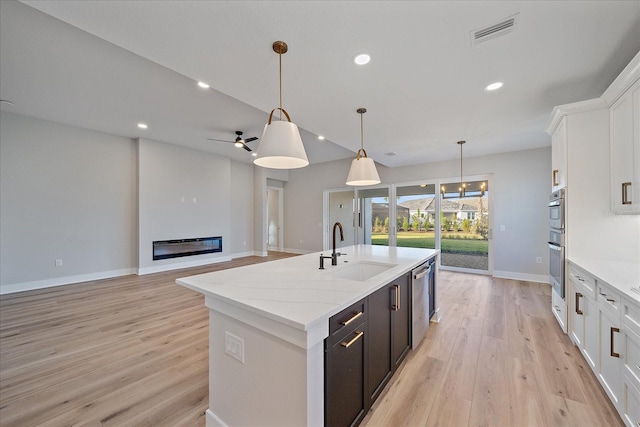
column 294, row 291
column 621, row 275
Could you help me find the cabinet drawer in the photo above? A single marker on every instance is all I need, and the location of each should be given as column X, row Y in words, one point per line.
column 583, row 288
column 347, row 320
column 631, row 348
column 631, row 316
column 609, row 300
column 581, row 277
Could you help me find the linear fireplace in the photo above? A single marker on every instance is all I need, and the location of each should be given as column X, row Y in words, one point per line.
column 163, row 249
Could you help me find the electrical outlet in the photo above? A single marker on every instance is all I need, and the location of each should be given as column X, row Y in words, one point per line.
column 58, row 263
column 503, row 228
column 538, row 260
column 234, row 346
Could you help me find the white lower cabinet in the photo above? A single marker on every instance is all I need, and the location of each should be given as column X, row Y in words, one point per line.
column 631, row 365
column 559, row 309
column 605, row 325
column 610, row 374
column 583, row 324
column 631, row 405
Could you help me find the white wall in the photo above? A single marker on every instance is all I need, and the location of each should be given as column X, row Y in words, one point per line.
column 241, row 204
column 66, row 193
column 183, row 193
column 520, row 187
column 75, row 194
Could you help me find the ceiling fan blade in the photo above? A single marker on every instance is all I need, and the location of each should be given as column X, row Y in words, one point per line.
column 253, row 138
column 219, row 140
column 246, row 148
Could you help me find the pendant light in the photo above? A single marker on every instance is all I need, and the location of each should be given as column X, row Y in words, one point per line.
column 463, row 189
column 363, row 169
column 281, row 145
column 463, row 186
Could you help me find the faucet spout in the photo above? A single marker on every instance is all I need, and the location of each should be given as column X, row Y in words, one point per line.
column 334, row 255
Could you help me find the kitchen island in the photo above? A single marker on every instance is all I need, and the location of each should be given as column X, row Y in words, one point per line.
column 268, row 323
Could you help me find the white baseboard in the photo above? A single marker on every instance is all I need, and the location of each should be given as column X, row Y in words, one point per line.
column 298, row 251
column 67, row 280
column 539, row 278
column 179, row 265
column 212, row 420
column 243, row 254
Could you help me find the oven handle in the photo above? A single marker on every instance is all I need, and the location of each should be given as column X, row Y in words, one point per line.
column 554, row 246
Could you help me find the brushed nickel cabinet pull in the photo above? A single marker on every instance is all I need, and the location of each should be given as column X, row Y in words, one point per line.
column 346, row 322
column 613, row 353
column 348, row 344
column 611, row 300
column 396, row 306
column 555, row 177
column 625, row 193
column 578, row 296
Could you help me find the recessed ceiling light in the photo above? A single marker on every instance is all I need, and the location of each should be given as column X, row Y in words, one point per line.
column 142, row 126
column 391, row 154
column 320, row 137
column 493, row 86
column 254, row 154
column 203, row 85
column 362, row 59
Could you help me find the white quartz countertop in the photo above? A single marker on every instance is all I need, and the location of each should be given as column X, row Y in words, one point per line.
column 294, row 291
column 624, row 276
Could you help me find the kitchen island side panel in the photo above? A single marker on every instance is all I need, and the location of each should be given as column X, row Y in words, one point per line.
column 279, row 383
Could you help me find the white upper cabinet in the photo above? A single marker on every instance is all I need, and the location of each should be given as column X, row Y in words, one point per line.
column 623, row 97
column 559, row 156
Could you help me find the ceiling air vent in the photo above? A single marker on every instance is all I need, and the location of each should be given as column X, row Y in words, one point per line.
column 503, row 27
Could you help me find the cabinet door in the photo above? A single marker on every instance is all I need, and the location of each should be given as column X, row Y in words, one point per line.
column 577, row 320
column 610, row 358
column 401, row 319
column 625, row 152
column 345, row 368
column 379, row 352
column 559, row 156
column 590, row 339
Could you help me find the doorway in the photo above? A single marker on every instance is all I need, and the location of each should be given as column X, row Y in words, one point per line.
column 275, row 206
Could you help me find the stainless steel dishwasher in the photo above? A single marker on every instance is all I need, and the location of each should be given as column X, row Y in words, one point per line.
column 421, row 306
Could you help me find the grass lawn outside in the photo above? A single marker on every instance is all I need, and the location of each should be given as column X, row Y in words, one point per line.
column 464, row 243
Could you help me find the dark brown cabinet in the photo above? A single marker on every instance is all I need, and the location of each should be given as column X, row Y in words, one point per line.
column 366, row 343
column 379, row 352
column 401, row 319
column 346, row 367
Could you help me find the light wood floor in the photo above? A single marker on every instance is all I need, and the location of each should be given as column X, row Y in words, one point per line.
column 133, row 351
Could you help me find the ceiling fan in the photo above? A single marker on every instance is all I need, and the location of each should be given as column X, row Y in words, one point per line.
column 239, row 142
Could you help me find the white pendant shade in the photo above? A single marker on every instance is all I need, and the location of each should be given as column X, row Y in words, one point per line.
column 363, row 172
column 281, row 147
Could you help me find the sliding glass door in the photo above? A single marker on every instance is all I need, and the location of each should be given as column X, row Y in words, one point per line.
column 340, row 209
column 416, row 216
column 464, row 225
column 374, row 216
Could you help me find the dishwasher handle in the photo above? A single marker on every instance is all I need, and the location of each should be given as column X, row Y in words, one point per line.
column 420, row 275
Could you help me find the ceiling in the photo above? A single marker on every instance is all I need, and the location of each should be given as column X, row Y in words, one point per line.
column 107, row 65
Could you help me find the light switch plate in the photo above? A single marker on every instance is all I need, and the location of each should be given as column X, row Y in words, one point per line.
column 234, row 346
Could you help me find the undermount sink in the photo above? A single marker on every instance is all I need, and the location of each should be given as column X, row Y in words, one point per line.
column 360, row 271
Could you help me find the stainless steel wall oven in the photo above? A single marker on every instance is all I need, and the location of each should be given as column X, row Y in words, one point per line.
column 556, row 241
